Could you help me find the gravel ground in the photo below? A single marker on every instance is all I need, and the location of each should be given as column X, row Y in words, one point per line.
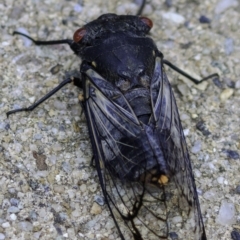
column 47, row 186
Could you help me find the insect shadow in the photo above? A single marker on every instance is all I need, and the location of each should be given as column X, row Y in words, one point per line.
column 139, row 148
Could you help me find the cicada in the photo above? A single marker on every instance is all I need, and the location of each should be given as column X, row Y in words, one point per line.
column 139, row 148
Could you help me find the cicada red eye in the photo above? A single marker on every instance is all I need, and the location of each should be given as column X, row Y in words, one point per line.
column 147, row 21
column 79, row 34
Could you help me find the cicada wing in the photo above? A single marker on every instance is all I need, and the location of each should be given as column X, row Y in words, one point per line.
column 119, row 142
column 132, row 157
column 166, row 116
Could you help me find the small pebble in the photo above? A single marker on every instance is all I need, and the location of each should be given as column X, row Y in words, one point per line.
column 173, row 235
column 204, row 19
column 226, row 215
column 32, row 99
column 99, row 200
column 33, row 184
column 223, row 5
column 11, row 190
column 186, row 132
column 14, row 202
column 5, row 224
column 197, row 173
column 217, row 82
column 18, row 147
column 168, row 3
column 83, row 188
column 183, row 89
column 174, row 17
column 96, row 209
column 13, row 217
column 231, row 153
column 2, row 236
column 67, row 167
column 93, row 187
column 201, row 126
column 78, row 8
column 237, row 190
column 230, row 83
column 80, row 235
column 40, row 161
column 13, row 209
column 58, row 188
column 55, row 69
column 65, row 235
column 33, row 215
column 237, row 84
column 196, row 147
column 37, row 136
column 110, row 224
column 36, row 235
column 210, row 194
column 226, row 93
column 186, row 45
column 220, row 180
column 177, row 219
column 228, row 46
column 235, row 235
column 3, row 125
column 194, row 115
column 76, row 214
column 25, row 226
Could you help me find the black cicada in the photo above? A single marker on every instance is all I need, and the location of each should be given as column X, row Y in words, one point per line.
column 137, row 138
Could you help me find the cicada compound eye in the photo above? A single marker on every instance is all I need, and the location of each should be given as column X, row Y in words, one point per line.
column 79, row 34
column 147, row 21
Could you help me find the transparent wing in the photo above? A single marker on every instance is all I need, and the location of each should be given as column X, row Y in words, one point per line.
column 175, row 151
column 144, row 168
